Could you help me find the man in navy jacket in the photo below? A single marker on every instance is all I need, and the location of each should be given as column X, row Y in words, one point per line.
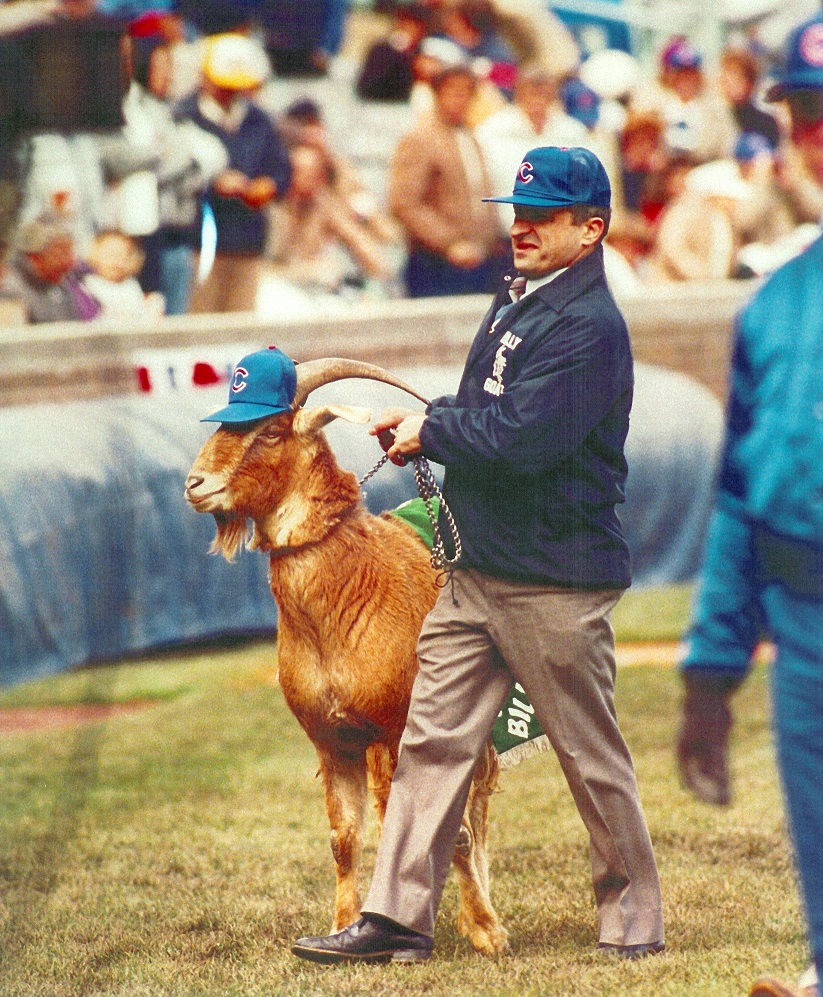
column 533, row 449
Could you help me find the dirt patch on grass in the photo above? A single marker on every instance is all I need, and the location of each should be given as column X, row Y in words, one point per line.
column 665, row 653
column 22, row 719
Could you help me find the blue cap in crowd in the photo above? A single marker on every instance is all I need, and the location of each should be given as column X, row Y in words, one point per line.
column 803, row 69
column 681, row 54
column 750, row 145
column 263, row 384
column 581, row 102
column 554, row 177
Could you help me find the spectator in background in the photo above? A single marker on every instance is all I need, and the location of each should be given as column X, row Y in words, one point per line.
column 613, row 75
column 474, row 26
column 437, row 178
column 161, row 160
column 763, row 570
column 799, row 185
column 114, row 261
column 301, row 38
column 738, row 78
column 320, row 243
column 437, row 53
column 14, row 19
column 635, row 192
column 303, row 125
column 535, row 34
column 387, row 72
column 580, row 102
column 535, row 118
column 60, row 84
column 766, row 217
column 696, row 239
column 44, row 275
column 236, row 203
column 583, row 104
column 697, row 121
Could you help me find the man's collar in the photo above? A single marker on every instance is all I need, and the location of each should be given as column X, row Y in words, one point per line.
column 230, row 120
column 571, row 281
column 534, row 283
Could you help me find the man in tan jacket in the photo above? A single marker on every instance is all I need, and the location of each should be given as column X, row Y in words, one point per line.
column 436, row 182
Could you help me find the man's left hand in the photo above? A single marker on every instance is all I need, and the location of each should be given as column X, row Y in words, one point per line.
column 406, row 424
column 703, row 741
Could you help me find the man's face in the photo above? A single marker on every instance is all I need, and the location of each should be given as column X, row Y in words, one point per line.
column 548, row 239
column 454, row 96
column 225, row 96
column 535, row 97
column 806, row 110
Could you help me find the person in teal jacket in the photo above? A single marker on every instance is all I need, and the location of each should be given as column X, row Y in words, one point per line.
column 763, row 572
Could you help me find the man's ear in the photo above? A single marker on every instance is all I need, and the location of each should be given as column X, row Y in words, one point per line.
column 593, row 229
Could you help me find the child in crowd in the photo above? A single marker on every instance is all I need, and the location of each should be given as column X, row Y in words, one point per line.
column 114, row 260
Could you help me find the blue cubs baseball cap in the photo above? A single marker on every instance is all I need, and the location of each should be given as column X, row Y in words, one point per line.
column 262, row 384
column 555, row 177
column 803, row 68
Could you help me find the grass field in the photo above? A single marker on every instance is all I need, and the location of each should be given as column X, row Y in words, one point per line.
column 178, row 850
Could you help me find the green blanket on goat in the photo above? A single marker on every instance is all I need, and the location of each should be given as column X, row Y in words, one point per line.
column 517, row 732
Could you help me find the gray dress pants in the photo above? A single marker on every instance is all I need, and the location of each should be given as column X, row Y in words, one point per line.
column 559, row 645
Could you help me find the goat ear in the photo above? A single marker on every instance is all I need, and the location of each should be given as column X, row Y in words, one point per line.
column 313, row 420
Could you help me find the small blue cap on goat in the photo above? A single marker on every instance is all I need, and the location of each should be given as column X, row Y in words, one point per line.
column 263, row 384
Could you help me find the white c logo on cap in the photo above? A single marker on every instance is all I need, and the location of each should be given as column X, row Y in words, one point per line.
column 239, row 380
column 811, row 45
column 525, row 172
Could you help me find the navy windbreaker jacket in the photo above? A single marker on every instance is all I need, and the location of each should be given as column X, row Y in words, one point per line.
column 533, row 442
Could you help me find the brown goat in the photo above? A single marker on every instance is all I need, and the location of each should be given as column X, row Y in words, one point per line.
column 352, row 590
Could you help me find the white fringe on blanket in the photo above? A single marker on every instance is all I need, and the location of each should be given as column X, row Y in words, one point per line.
column 537, row 746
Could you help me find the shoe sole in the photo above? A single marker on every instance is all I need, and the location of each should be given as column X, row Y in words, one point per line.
column 326, row 958
column 629, row 952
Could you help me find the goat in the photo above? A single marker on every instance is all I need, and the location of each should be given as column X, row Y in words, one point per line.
column 352, row 590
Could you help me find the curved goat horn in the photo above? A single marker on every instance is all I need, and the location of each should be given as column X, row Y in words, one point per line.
column 313, row 374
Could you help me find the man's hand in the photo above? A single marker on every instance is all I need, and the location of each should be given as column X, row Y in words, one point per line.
column 465, row 254
column 259, row 192
column 703, row 741
column 231, row 183
column 405, row 425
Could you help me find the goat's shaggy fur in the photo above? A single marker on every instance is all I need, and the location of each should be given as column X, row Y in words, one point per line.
column 352, row 590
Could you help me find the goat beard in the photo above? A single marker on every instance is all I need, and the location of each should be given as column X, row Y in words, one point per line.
column 232, row 535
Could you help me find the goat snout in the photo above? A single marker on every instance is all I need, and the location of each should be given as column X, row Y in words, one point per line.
column 204, row 489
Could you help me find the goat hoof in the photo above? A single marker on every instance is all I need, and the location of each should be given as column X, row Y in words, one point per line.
column 491, row 940
column 464, row 842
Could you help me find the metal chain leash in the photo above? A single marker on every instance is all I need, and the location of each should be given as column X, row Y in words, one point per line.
column 429, row 490
column 373, row 471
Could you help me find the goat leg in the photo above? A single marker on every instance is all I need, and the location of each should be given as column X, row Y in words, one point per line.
column 344, row 780
column 477, row 919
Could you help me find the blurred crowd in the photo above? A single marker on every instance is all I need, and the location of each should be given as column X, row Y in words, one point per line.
column 234, row 160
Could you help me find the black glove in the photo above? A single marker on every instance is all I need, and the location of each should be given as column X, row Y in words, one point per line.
column 703, row 742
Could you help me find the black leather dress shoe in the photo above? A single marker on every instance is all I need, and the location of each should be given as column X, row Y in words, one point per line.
column 632, row 951
column 369, row 939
